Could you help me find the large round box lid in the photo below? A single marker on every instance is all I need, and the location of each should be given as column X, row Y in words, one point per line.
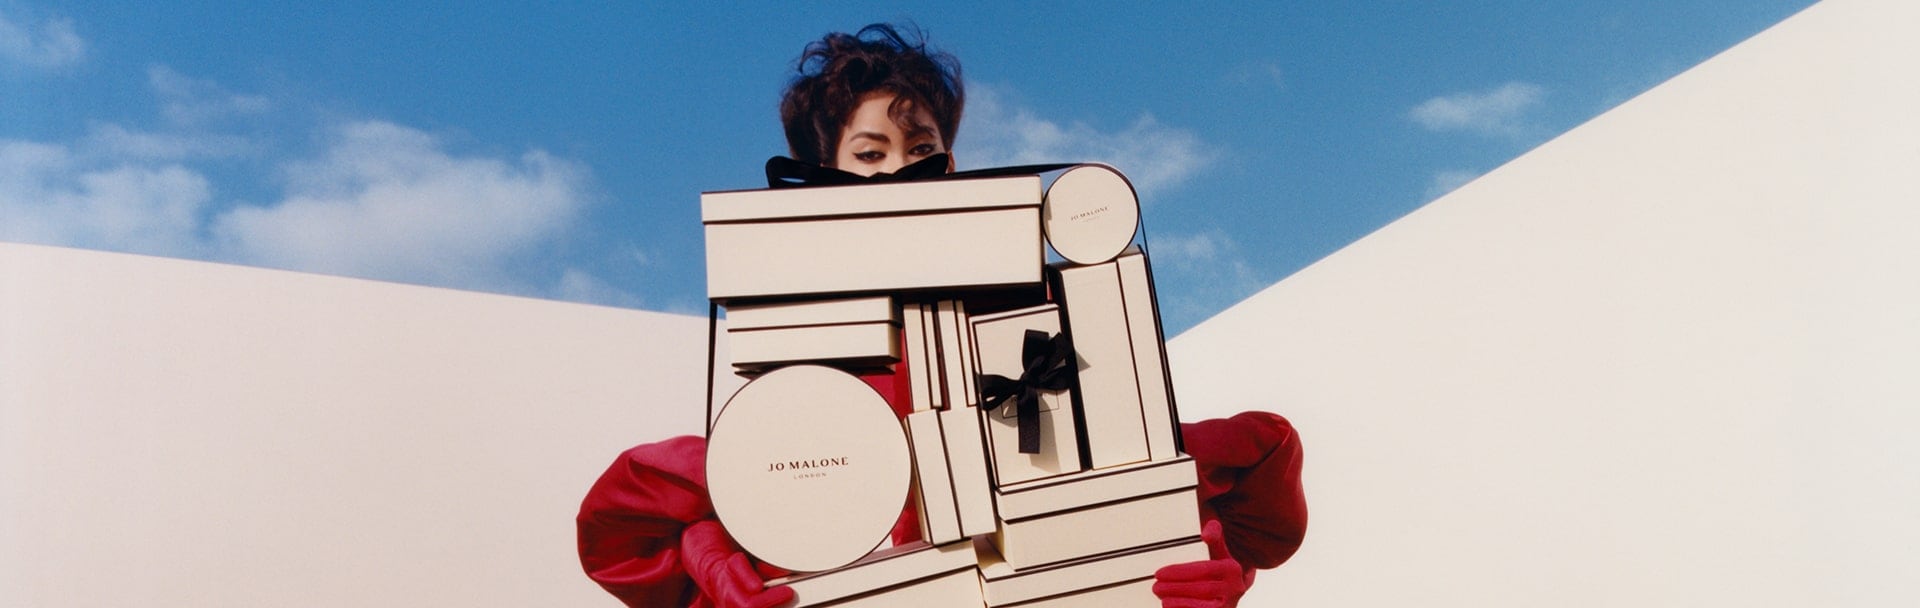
column 1090, row 214
column 808, row 468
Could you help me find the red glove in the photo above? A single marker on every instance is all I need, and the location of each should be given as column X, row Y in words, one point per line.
column 1215, row 583
column 723, row 572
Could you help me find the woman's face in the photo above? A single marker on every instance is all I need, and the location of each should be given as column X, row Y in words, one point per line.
column 871, row 142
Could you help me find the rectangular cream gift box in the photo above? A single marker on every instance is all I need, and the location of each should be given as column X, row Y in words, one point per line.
column 856, row 333
column 1098, row 511
column 873, row 238
column 1125, row 399
column 923, row 366
column 1122, row 579
column 950, row 465
column 917, row 574
column 998, row 341
column 943, row 413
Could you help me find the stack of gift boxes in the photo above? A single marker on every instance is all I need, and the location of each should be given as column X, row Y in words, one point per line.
column 1036, row 425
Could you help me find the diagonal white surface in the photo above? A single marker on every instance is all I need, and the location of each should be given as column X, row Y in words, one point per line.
column 1665, row 359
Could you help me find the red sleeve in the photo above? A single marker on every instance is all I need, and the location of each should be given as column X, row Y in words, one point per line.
column 1250, row 481
column 630, row 522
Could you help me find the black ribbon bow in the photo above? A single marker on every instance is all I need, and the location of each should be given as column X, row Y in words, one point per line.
column 783, row 172
column 1045, row 369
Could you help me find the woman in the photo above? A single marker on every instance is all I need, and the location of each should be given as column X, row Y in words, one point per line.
column 875, row 103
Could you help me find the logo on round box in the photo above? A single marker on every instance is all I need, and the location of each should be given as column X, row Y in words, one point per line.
column 808, row 468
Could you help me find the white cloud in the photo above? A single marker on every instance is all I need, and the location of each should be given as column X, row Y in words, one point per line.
column 1448, row 181
column 1499, row 111
column 190, row 101
column 49, row 196
column 373, row 199
column 114, row 141
column 1212, row 267
column 385, row 201
column 46, row 45
column 996, row 133
column 580, row 286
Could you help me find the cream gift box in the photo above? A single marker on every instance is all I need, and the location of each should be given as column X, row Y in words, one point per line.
column 998, row 345
column 940, row 362
column 923, row 368
column 807, row 468
column 873, row 238
column 1124, row 399
column 1090, row 213
column 1098, row 511
column 950, row 467
column 1114, row 580
column 932, row 479
column 955, row 352
column 859, row 333
column 917, row 574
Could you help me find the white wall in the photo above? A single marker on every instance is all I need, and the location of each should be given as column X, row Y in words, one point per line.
column 178, row 433
column 1671, row 358
column 1666, row 359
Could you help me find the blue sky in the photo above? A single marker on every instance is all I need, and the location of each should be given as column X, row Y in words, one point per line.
column 559, row 153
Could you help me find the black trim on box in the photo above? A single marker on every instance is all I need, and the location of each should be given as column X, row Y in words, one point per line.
column 881, row 214
column 864, row 561
column 1128, row 469
column 1052, row 277
column 953, row 491
column 1109, row 503
column 1012, row 292
column 744, row 330
column 713, row 339
column 1160, row 332
column 855, row 366
column 939, row 357
column 986, row 417
column 1075, row 592
column 1065, row 563
column 883, row 590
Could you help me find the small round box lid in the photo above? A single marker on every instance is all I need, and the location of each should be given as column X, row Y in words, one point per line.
column 1090, row 214
column 808, row 468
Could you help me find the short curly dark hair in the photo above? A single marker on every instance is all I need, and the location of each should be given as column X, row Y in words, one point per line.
column 836, row 71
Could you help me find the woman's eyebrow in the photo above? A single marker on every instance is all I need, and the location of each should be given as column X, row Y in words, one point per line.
column 880, row 137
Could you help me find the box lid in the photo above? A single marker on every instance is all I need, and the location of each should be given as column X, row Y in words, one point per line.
column 831, row 311
column 870, row 199
column 1090, row 214
column 1099, row 486
column 885, row 568
column 1003, row 585
column 808, row 468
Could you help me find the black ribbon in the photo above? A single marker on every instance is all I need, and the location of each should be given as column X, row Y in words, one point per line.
column 783, row 172
column 1045, row 366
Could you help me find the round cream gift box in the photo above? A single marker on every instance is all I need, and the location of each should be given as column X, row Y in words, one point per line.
column 1090, row 214
column 808, row 468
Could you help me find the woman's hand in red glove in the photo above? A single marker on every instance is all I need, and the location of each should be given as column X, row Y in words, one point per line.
column 723, row 571
column 1216, row 583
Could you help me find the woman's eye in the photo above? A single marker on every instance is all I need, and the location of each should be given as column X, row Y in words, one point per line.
column 922, row 150
column 869, row 156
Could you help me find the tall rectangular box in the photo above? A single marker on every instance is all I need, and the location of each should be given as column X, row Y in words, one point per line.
column 1094, row 512
column 998, row 342
column 923, row 369
column 1125, row 399
column 1115, row 580
column 873, row 238
column 932, row 478
column 918, row 575
column 967, row 461
column 856, row 333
